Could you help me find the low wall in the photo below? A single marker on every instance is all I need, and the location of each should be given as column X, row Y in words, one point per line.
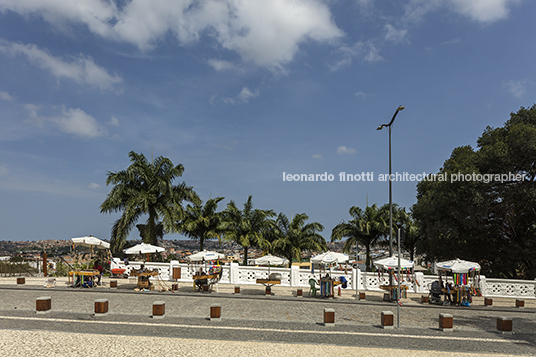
column 296, row 277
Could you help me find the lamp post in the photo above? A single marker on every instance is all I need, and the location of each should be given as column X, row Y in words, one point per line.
column 400, row 108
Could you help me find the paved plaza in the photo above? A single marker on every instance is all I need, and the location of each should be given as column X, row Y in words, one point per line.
column 250, row 322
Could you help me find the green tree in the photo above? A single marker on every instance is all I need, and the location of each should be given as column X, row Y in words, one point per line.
column 294, row 237
column 247, row 227
column 366, row 228
column 146, row 188
column 202, row 222
column 483, row 212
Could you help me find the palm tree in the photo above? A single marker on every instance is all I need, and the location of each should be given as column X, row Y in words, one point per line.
column 293, row 237
column 146, row 188
column 202, row 222
column 366, row 228
column 247, row 227
column 412, row 235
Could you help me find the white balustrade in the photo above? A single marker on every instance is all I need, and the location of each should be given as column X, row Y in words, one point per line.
column 368, row 281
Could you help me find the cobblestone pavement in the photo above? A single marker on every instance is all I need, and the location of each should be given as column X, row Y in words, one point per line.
column 249, row 306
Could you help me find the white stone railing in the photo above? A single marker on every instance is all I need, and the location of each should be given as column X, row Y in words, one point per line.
column 296, row 277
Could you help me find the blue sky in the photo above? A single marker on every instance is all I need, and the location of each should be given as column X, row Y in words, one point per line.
column 240, row 92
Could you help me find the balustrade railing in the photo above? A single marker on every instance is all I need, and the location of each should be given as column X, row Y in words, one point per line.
column 296, row 277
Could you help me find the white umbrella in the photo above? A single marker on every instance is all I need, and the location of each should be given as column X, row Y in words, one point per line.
column 143, row 248
column 458, row 266
column 392, row 263
column 205, row 255
column 90, row 241
column 330, row 257
column 270, row 260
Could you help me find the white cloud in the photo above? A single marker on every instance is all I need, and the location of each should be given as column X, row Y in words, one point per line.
column 114, row 121
column 343, row 150
column 70, row 121
column 266, row 33
column 516, row 88
column 82, row 69
column 220, row 65
column 484, row 11
column 361, row 94
column 6, row 96
column 242, row 97
column 316, row 156
column 94, row 186
column 394, row 35
column 366, row 51
column 79, row 123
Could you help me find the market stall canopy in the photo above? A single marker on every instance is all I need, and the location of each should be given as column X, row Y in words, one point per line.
column 392, row 263
column 270, row 260
column 330, row 257
column 205, row 255
column 90, row 241
column 458, row 266
column 143, row 248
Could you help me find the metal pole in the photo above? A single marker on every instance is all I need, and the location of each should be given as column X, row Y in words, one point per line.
column 390, row 201
column 356, row 267
column 398, row 296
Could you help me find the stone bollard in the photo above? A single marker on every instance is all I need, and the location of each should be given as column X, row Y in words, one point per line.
column 299, row 293
column 520, row 303
column 329, row 317
column 113, row 284
column 504, row 325
column 159, row 309
column 446, row 322
column 386, row 297
column 43, row 304
column 268, row 291
column 206, row 288
column 215, row 312
column 237, row 289
column 21, row 281
column 387, row 320
column 425, row 299
column 101, row 307
column 361, row 296
column 488, row 301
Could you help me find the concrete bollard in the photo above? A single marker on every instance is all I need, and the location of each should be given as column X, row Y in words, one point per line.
column 101, row 307
column 21, row 281
column 299, row 293
column 504, row 324
column 159, row 309
column 387, row 320
column 329, row 317
column 237, row 289
column 43, row 304
column 361, row 296
column 520, row 303
column 386, row 297
column 215, row 312
column 113, row 284
column 206, row 288
column 446, row 322
column 268, row 291
column 425, row 299
column 488, row 301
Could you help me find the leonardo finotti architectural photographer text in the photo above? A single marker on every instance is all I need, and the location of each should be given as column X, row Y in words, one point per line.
column 405, row 176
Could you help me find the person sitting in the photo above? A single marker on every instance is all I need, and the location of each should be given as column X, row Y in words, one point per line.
column 200, row 282
column 99, row 268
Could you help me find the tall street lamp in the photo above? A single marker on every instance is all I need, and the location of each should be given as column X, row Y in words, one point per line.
column 400, row 108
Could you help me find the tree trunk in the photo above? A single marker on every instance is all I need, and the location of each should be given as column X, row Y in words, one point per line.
column 245, row 261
